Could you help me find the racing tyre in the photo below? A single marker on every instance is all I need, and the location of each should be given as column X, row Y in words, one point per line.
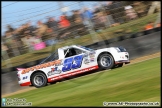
column 105, row 61
column 118, row 65
column 39, row 80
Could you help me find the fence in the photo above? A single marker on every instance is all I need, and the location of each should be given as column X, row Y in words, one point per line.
column 127, row 17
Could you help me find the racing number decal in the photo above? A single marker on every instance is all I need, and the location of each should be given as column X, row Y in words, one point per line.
column 67, row 64
column 77, row 62
column 72, row 63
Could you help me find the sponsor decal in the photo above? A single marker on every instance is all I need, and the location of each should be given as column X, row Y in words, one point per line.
column 92, row 59
column 72, row 73
column 54, row 71
column 86, row 61
column 41, row 66
column 92, row 53
column 85, row 55
column 25, row 77
column 91, row 56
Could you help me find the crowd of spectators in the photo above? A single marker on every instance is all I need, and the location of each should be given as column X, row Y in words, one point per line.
column 26, row 37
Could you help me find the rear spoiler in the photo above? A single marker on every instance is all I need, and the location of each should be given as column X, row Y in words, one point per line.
column 19, row 69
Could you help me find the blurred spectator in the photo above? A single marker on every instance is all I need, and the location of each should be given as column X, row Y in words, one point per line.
column 10, row 28
column 21, row 30
column 9, row 38
column 140, row 8
column 100, row 21
column 130, row 12
column 9, row 42
column 149, row 26
column 119, row 14
column 52, row 25
column 96, row 9
column 52, row 31
column 16, row 38
column 87, row 17
column 4, row 50
column 158, row 25
column 109, row 10
column 30, row 41
column 76, row 17
column 41, row 30
column 30, row 29
column 155, row 6
column 77, row 26
column 72, row 17
column 64, row 24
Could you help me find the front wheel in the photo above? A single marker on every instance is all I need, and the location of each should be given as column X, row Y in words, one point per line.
column 118, row 65
column 39, row 80
column 105, row 61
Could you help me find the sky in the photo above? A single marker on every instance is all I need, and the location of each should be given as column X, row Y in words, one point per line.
column 18, row 13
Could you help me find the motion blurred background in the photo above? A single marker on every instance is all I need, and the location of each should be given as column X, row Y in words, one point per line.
column 32, row 30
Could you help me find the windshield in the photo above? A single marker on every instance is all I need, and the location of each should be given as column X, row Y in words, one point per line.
column 89, row 49
column 52, row 57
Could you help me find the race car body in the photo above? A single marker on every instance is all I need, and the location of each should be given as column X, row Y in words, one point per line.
column 72, row 60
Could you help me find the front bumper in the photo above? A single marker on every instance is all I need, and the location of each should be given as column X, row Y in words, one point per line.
column 24, row 83
column 122, row 57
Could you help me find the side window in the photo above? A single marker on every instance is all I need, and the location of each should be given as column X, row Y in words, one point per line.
column 72, row 52
column 78, row 51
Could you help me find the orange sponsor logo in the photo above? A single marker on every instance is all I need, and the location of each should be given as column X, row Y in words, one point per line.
column 41, row 66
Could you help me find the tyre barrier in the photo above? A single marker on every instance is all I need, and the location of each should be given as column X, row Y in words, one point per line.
column 94, row 46
column 139, row 34
column 112, row 40
column 146, row 32
column 121, row 38
column 127, row 36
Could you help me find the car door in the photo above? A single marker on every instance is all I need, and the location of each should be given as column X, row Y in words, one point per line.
column 73, row 60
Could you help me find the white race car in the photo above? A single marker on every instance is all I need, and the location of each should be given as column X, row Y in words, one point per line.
column 71, row 60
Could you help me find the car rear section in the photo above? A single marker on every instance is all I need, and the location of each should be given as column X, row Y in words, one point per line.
column 23, row 79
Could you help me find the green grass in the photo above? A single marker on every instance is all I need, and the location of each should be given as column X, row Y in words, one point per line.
column 133, row 26
column 134, row 83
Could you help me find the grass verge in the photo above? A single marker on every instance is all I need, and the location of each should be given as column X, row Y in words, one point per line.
column 134, row 83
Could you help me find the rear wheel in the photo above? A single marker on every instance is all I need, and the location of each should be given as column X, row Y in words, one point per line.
column 105, row 61
column 39, row 80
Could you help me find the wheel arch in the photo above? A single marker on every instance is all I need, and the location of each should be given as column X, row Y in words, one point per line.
column 35, row 73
